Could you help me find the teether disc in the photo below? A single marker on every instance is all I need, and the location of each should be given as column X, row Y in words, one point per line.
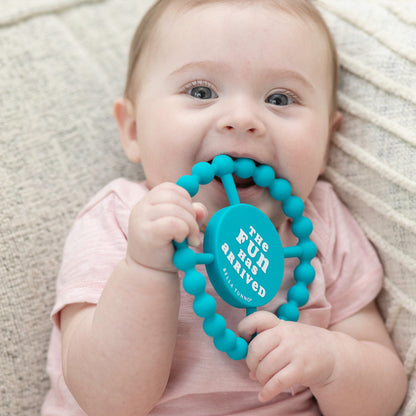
column 248, row 256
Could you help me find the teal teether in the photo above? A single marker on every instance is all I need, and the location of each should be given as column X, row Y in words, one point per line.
column 243, row 254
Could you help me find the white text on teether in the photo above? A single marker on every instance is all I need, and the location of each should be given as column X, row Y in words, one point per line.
column 253, row 250
column 250, row 259
column 245, row 276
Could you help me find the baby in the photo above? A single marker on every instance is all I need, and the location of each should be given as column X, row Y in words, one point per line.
column 247, row 78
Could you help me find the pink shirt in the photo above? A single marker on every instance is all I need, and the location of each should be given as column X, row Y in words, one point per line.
column 204, row 381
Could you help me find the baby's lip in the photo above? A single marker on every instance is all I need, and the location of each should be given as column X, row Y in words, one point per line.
column 246, row 157
column 257, row 163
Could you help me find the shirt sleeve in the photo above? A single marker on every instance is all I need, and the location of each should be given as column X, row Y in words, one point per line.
column 353, row 272
column 96, row 243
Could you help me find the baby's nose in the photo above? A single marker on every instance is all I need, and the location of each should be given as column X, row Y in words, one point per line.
column 242, row 119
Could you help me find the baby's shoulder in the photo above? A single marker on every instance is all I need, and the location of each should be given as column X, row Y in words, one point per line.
column 119, row 192
column 332, row 221
column 323, row 206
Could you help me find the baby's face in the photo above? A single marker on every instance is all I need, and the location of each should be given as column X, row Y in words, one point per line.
column 246, row 81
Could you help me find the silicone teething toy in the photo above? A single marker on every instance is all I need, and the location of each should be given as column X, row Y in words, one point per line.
column 243, row 253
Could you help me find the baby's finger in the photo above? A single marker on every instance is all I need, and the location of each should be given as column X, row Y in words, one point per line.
column 172, row 222
column 280, row 382
column 169, row 228
column 201, row 212
column 171, row 200
column 263, row 357
column 170, row 193
column 257, row 322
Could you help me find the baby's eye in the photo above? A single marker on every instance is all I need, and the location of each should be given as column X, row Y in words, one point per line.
column 201, row 92
column 279, row 99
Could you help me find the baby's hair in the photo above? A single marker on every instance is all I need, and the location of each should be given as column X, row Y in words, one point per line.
column 147, row 27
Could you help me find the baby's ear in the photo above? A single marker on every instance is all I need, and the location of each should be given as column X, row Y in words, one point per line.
column 336, row 122
column 126, row 122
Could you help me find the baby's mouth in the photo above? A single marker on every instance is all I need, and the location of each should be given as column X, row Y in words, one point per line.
column 240, row 183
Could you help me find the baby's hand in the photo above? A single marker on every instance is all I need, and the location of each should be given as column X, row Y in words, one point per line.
column 166, row 213
column 286, row 353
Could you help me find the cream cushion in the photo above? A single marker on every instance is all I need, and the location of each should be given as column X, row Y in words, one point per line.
column 62, row 63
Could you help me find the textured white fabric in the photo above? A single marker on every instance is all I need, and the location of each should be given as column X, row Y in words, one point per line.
column 61, row 67
column 62, row 62
column 15, row 11
column 373, row 159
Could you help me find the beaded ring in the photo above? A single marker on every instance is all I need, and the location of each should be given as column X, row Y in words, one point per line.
column 243, row 254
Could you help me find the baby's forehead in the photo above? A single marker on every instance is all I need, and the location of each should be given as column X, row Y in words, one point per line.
column 172, row 23
column 169, row 23
column 292, row 8
column 301, row 10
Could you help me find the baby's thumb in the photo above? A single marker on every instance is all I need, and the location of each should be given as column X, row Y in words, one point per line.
column 201, row 212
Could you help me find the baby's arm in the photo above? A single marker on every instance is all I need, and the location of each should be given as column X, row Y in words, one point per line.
column 352, row 368
column 117, row 355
